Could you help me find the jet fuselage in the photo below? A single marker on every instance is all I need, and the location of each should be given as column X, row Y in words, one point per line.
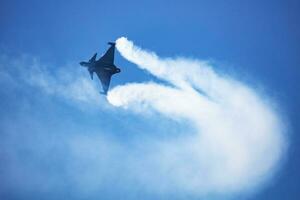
column 104, row 67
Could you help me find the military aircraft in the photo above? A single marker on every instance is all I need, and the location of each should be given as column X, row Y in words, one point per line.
column 104, row 67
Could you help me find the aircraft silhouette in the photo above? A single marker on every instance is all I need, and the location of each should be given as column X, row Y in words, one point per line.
column 104, row 67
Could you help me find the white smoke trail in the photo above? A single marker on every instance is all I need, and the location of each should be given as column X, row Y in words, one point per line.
column 236, row 141
column 239, row 139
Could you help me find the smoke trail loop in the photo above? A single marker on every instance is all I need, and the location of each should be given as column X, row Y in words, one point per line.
column 238, row 141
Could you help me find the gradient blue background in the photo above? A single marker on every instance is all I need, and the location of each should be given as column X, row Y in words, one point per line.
column 258, row 41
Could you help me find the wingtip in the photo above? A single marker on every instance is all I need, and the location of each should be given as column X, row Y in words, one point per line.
column 111, row 43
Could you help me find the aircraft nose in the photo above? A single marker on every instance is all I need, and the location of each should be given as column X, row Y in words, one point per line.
column 118, row 70
column 84, row 64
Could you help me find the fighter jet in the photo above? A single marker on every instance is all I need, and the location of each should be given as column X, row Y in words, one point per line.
column 104, row 67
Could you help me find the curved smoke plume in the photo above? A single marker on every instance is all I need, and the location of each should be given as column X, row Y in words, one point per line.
column 238, row 140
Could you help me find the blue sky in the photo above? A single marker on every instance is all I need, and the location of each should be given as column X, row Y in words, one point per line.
column 58, row 144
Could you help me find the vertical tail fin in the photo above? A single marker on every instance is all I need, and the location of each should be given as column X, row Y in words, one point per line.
column 93, row 59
